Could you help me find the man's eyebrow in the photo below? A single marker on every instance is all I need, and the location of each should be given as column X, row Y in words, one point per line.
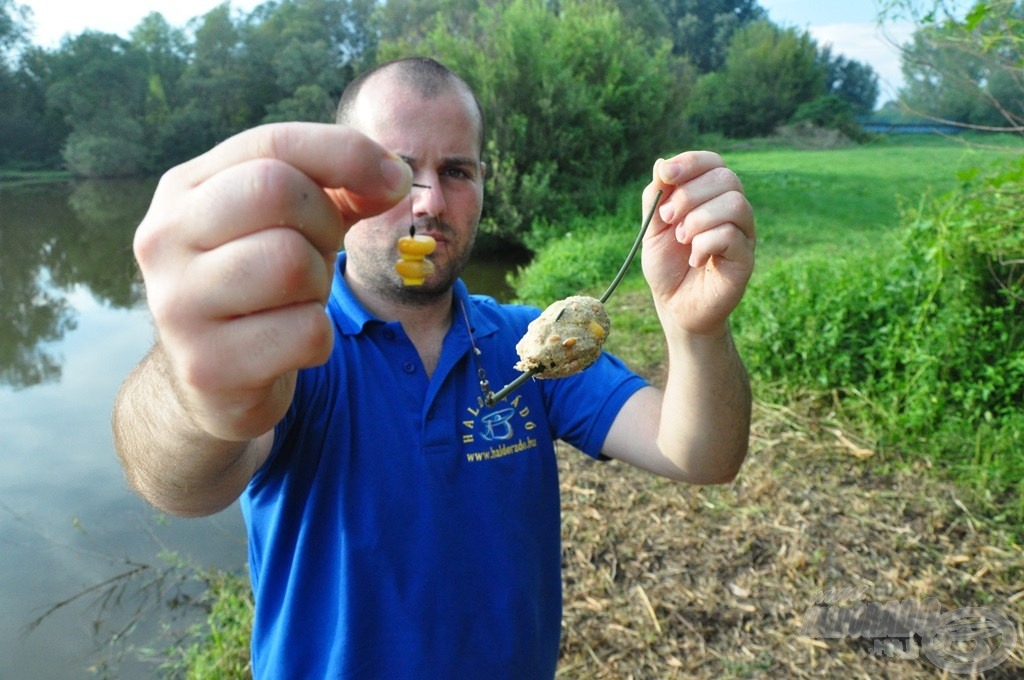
column 447, row 160
column 461, row 160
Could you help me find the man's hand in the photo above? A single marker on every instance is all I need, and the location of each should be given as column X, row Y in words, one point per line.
column 237, row 252
column 698, row 256
column 698, row 252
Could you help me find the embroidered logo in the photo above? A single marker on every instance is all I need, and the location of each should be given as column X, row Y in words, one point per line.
column 497, row 430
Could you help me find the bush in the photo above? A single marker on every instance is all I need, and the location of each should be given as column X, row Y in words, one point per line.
column 581, row 256
column 577, row 103
column 769, row 72
column 926, row 342
column 833, row 112
column 110, row 149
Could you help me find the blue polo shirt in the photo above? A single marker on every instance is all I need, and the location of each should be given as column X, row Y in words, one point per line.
column 402, row 529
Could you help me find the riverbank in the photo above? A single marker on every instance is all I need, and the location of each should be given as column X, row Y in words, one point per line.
column 19, row 178
column 720, row 583
column 669, row 581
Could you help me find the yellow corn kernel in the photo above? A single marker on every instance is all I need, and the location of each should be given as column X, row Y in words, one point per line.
column 413, row 272
column 416, row 245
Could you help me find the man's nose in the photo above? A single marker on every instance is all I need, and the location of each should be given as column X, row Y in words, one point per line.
column 427, row 196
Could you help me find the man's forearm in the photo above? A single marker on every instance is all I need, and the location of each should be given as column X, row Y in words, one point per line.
column 705, row 417
column 167, row 459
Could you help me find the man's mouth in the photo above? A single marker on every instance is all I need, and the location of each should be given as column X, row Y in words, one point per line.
column 434, row 235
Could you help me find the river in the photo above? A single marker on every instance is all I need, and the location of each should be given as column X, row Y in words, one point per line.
column 90, row 576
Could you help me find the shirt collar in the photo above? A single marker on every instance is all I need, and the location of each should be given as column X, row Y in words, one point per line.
column 354, row 317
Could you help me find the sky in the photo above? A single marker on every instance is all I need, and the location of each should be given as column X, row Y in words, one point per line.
column 850, row 26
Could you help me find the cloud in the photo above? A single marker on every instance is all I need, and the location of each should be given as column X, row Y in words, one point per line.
column 870, row 44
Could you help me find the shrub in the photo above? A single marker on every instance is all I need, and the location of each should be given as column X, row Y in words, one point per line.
column 112, row 148
column 583, row 255
column 220, row 650
column 576, row 100
column 833, row 112
column 928, row 339
column 768, row 73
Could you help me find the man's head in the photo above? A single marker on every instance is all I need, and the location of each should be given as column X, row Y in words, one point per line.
column 427, row 115
column 423, row 75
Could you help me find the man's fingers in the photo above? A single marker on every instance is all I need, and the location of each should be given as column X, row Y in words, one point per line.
column 726, row 241
column 698, row 191
column 259, row 348
column 269, row 177
column 686, row 181
column 730, row 207
column 331, row 155
column 265, row 270
column 257, row 195
column 689, row 165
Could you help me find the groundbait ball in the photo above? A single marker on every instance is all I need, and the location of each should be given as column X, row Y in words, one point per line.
column 565, row 339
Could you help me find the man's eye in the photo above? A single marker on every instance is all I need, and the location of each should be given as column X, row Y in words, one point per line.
column 457, row 173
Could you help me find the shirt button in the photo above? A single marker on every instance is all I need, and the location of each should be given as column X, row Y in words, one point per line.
column 409, row 367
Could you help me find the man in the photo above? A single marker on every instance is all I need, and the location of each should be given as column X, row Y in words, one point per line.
column 398, row 526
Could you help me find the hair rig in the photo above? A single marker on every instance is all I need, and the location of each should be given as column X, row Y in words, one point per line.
column 568, row 336
column 413, row 266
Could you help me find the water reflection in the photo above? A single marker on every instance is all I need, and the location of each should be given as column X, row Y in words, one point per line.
column 50, row 242
column 72, row 324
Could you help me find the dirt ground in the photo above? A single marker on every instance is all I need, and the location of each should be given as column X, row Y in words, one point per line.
column 671, row 581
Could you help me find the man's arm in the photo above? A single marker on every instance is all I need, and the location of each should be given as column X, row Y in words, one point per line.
column 698, row 257
column 168, row 459
column 237, row 252
column 697, row 429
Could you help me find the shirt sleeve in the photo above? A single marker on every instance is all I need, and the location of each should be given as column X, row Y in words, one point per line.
column 583, row 407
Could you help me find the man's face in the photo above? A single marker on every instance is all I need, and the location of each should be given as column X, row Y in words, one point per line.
column 437, row 137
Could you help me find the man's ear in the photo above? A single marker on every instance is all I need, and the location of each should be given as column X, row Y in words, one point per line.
column 483, row 170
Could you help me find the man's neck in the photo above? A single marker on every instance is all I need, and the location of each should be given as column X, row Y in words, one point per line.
column 426, row 321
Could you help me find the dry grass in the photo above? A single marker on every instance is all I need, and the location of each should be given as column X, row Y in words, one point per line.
column 670, row 581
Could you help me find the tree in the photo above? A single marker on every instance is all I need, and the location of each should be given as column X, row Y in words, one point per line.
column 964, row 64
column 312, row 48
column 218, row 100
column 852, row 81
column 576, row 103
column 409, row 22
column 701, row 30
column 15, row 21
column 97, row 82
column 167, row 53
column 27, row 134
column 769, row 72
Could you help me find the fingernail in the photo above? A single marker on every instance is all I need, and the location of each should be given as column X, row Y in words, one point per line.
column 396, row 173
column 669, row 172
column 667, row 212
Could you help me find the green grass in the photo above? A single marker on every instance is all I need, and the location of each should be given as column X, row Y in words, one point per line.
column 809, row 204
column 220, row 648
column 834, row 224
column 838, row 200
column 832, row 201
